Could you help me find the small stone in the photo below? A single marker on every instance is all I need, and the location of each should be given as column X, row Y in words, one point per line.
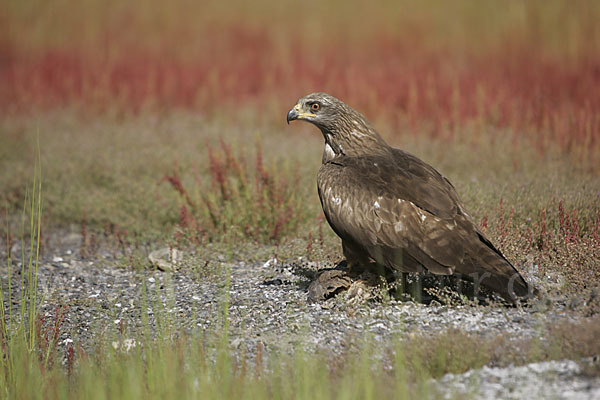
column 166, row 259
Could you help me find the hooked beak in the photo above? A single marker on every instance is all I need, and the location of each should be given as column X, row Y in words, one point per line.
column 297, row 112
column 292, row 114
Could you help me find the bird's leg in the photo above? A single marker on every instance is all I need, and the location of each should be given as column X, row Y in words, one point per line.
column 353, row 256
column 351, row 264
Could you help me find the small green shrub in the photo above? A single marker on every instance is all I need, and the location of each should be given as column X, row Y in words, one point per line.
column 238, row 199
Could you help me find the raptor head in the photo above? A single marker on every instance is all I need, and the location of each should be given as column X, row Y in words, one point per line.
column 320, row 109
column 346, row 131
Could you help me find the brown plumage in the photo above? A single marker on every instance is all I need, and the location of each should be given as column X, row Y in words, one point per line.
column 390, row 207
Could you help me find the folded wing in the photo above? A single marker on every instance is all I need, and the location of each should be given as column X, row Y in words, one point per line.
column 402, row 213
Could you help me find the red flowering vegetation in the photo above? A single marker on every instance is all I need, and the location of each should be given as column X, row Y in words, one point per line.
column 560, row 245
column 388, row 78
column 237, row 200
column 48, row 336
column 516, row 81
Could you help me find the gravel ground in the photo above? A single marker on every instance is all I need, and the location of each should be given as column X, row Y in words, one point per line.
column 268, row 307
column 546, row 380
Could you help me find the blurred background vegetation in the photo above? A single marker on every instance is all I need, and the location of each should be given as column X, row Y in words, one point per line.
column 433, row 67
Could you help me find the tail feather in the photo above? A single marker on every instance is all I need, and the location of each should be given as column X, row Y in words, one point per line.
column 498, row 274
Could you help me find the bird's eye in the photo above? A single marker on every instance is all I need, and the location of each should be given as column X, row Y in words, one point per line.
column 315, row 106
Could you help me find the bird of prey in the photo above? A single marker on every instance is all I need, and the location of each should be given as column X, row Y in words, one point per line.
column 391, row 208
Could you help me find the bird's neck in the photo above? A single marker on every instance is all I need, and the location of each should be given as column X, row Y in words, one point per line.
column 352, row 142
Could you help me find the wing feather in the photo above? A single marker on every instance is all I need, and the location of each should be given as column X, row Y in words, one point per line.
column 402, row 213
column 364, row 207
